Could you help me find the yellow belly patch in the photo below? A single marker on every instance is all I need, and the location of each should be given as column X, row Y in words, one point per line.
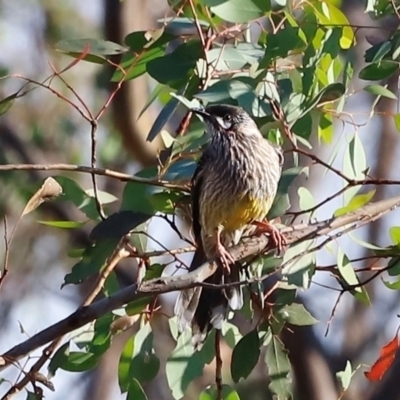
column 238, row 213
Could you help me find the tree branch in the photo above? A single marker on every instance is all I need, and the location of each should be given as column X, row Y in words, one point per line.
column 248, row 247
column 96, row 171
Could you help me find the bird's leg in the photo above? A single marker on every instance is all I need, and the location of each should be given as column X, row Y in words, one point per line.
column 221, row 251
column 277, row 239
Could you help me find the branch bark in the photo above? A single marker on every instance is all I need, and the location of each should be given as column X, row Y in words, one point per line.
column 251, row 246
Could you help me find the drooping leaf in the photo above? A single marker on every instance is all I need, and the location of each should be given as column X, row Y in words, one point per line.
column 94, row 258
column 379, row 90
column 355, row 203
column 7, row 103
column 378, row 70
column 74, row 193
column 349, row 276
column 394, row 233
column 281, row 201
column 124, row 364
column 118, row 224
column 145, row 364
column 48, row 191
column 245, row 356
column 96, row 49
column 162, row 118
column 136, row 391
column 183, row 366
column 296, row 314
column 63, row 224
column 345, row 375
column 278, row 369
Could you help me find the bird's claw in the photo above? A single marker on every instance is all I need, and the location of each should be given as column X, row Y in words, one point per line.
column 225, row 257
column 277, row 239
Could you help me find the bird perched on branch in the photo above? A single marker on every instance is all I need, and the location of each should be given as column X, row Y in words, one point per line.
column 233, row 187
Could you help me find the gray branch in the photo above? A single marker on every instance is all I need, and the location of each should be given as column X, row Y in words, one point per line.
column 249, row 247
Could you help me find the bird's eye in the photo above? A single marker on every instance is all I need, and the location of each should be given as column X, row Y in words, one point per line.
column 225, row 122
column 227, row 118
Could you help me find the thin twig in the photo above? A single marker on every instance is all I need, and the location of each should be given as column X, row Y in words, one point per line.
column 97, row 171
column 218, row 364
column 93, row 160
column 4, row 273
column 251, row 246
column 114, row 259
column 328, row 324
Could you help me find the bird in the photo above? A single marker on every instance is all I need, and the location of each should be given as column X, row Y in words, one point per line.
column 232, row 188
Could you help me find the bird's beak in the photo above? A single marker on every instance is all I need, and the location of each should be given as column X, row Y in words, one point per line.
column 201, row 111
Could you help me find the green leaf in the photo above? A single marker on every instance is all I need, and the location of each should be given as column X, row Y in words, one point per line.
column 228, row 393
column 238, row 11
column 225, row 89
column 136, row 391
column 58, row 358
column 80, row 361
column 299, row 269
column 183, row 365
column 97, row 49
column 325, row 128
column 74, row 193
column 245, row 356
column 392, row 285
column 345, row 375
column 174, row 68
column 226, row 58
column 349, row 276
column 296, row 314
column 124, row 364
column 231, row 334
column 101, row 340
column 281, row 201
column 145, row 46
column 8, row 102
column 379, row 70
column 165, row 201
column 278, row 369
column 138, row 305
column 118, row 224
column 136, row 198
column 162, row 118
column 378, row 51
column 379, row 90
column 329, row 93
column 93, row 260
column 134, row 65
column 306, row 199
column 394, row 264
column 145, row 364
column 394, row 233
column 63, row 224
column 396, row 118
column 355, row 203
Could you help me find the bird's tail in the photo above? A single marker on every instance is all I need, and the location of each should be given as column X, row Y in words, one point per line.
column 203, row 308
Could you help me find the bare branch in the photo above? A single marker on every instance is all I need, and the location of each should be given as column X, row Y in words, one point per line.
column 249, row 247
column 97, row 171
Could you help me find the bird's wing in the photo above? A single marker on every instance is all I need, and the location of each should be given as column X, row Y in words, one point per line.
column 188, row 300
column 202, row 308
column 196, row 188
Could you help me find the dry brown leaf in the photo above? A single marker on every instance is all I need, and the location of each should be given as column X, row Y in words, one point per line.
column 49, row 190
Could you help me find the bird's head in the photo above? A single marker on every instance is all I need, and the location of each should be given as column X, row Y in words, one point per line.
column 228, row 120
